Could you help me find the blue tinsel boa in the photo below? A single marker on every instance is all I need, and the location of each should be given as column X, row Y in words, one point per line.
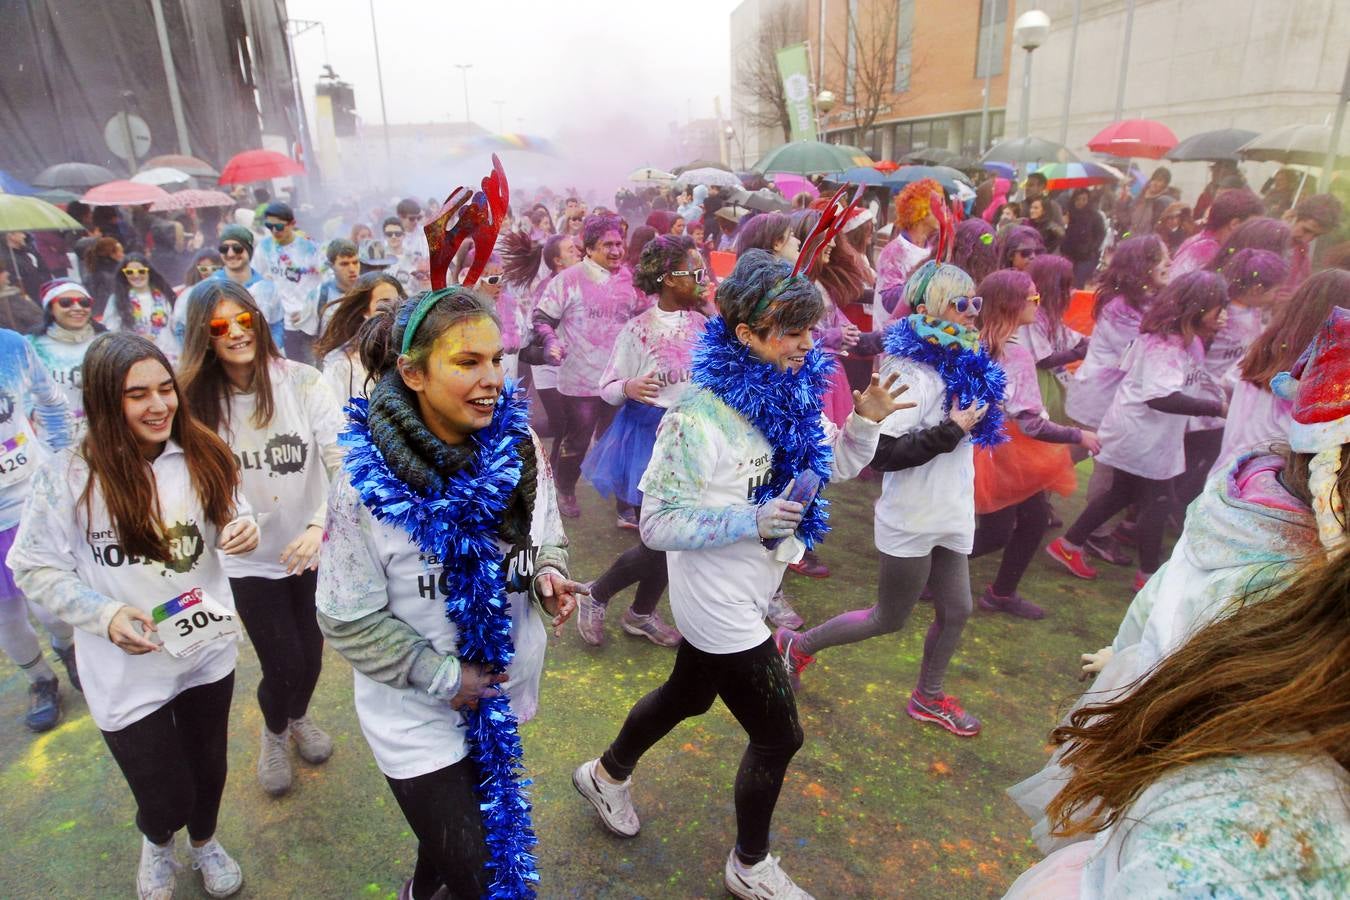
column 783, row 406
column 460, row 529
column 968, row 374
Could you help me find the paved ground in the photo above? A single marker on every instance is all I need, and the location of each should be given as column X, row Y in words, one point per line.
column 875, row 805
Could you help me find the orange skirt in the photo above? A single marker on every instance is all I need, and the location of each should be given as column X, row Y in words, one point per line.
column 1019, row 468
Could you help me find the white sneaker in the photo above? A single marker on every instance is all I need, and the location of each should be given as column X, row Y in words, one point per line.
column 220, row 874
column 158, row 871
column 274, row 762
column 612, row 801
column 313, row 742
column 765, row 880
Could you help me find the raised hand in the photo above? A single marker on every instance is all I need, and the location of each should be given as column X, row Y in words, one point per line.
column 880, row 400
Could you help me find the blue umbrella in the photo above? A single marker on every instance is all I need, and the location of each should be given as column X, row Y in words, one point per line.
column 859, row 175
column 11, row 185
column 909, row 174
column 1002, row 169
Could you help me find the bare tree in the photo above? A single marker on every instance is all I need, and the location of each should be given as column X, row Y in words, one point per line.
column 758, row 73
column 866, row 59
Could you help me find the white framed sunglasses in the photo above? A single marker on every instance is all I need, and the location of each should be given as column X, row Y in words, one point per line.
column 697, row 273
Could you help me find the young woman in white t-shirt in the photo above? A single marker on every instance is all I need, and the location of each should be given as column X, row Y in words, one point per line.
column 1142, row 435
column 715, row 492
column 336, row 347
column 281, row 421
column 393, row 598
column 129, row 521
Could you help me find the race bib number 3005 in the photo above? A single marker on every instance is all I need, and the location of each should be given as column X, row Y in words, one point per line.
column 190, row 621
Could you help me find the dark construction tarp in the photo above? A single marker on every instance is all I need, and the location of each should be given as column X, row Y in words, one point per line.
column 64, row 65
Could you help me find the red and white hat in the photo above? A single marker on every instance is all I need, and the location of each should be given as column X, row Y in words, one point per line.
column 1319, row 388
column 59, row 288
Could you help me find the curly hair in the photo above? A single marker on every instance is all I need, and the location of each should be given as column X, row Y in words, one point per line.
column 913, row 203
column 792, row 304
column 660, row 256
column 1251, row 268
column 1181, row 305
column 594, row 227
column 1323, row 209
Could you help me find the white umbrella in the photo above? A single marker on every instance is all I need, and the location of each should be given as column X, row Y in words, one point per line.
column 709, row 177
column 162, row 176
column 647, row 173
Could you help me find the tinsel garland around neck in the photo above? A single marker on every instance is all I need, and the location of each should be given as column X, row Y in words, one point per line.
column 459, row 525
column 954, row 352
column 783, row 406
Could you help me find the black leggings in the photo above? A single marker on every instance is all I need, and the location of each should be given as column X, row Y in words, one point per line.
column 442, row 808
column 583, row 419
column 640, row 565
column 754, row 686
column 278, row 614
column 1202, row 451
column 553, row 409
column 1018, row 531
column 1154, row 498
column 174, row 762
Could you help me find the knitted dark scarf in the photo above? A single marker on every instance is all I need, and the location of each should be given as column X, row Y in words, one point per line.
column 423, row 461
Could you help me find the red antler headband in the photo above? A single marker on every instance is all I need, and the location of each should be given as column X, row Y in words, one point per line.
column 832, row 220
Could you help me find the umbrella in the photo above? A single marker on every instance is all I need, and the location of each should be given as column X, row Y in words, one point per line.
column 1298, row 144
column 259, row 165
column 193, row 199
column 197, row 168
column 939, row 156
column 11, row 185
column 700, row 164
column 763, row 200
column 719, row 177
column 647, row 173
column 1005, row 170
column 790, row 185
column 812, row 158
column 860, row 175
column 1028, row 150
column 161, row 176
column 74, row 176
column 887, row 165
column 1065, row 176
column 1211, row 146
column 943, row 175
column 753, row 181
column 1134, row 138
column 124, row 193
column 19, row 213
column 57, row 195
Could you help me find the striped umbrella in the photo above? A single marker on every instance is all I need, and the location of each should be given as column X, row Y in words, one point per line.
column 193, row 199
column 1065, row 176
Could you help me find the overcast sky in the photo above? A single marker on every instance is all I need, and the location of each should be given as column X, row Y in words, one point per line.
column 552, row 63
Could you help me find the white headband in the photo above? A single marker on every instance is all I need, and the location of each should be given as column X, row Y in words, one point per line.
column 64, row 287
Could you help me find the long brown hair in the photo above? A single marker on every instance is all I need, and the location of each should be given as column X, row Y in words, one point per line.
column 118, row 470
column 1273, row 675
column 1005, row 296
column 350, row 310
column 1180, row 307
column 205, row 385
column 1293, row 325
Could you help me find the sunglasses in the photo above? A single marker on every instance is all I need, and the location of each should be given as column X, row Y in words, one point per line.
column 220, row 326
column 969, row 304
column 228, row 249
column 697, row 273
column 492, row 279
column 392, row 233
column 135, row 271
column 206, row 269
column 274, row 227
column 68, row 302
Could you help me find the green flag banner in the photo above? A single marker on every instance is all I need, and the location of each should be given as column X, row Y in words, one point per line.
column 795, row 68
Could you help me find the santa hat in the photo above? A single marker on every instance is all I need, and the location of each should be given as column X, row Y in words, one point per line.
column 1318, row 386
column 59, row 288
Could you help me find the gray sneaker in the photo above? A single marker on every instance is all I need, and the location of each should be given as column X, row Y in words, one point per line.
column 591, row 618
column 158, row 871
column 781, row 614
column 221, row 876
column 274, row 762
column 613, row 802
column 651, row 627
column 313, row 743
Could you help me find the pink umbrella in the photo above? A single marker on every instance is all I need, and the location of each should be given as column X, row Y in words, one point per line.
column 124, row 193
column 1134, row 138
column 792, row 185
column 193, row 199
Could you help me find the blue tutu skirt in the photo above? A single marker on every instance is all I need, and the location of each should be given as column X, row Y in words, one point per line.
column 616, row 462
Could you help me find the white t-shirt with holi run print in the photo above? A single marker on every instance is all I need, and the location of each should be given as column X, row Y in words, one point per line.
column 78, row 570
column 369, row 565
column 698, row 505
column 285, row 466
column 591, row 305
column 1094, row 384
column 63, row 360
column 655, row 343
column 1137, row 438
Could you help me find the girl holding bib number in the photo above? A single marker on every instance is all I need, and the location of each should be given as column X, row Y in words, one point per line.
column 281, row 421
column 114, row 532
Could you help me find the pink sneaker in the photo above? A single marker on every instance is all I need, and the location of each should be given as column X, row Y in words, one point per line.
column 1072, row 560
column 795, row 661
column 945, row 711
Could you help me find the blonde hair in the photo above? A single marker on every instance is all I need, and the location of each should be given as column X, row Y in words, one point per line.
column 935, row 285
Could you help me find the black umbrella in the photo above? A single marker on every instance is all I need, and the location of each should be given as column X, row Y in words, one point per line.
column 939, row 156
column 73, row 176
column 1028, row 150
column 763, row 200
column 1211, row 146
column 700, row 164
column 1297, row 145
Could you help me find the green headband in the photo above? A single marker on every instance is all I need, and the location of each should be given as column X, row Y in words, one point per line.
column 429, row 299
column 773, row 294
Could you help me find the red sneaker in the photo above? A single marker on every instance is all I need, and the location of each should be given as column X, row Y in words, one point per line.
column 945, row 711
column 811, row 566
column 795, row 661
column 1070, row 559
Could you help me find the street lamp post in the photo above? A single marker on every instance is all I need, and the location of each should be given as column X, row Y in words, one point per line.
column 464, row 71
column 379, row 79
column 825, row 101
column 1029, row 32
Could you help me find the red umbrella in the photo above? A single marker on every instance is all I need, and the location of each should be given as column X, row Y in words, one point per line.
column 886, row 165
column 1134, row 138
column 259, row 165
column 124, row 193
column 193, row 199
